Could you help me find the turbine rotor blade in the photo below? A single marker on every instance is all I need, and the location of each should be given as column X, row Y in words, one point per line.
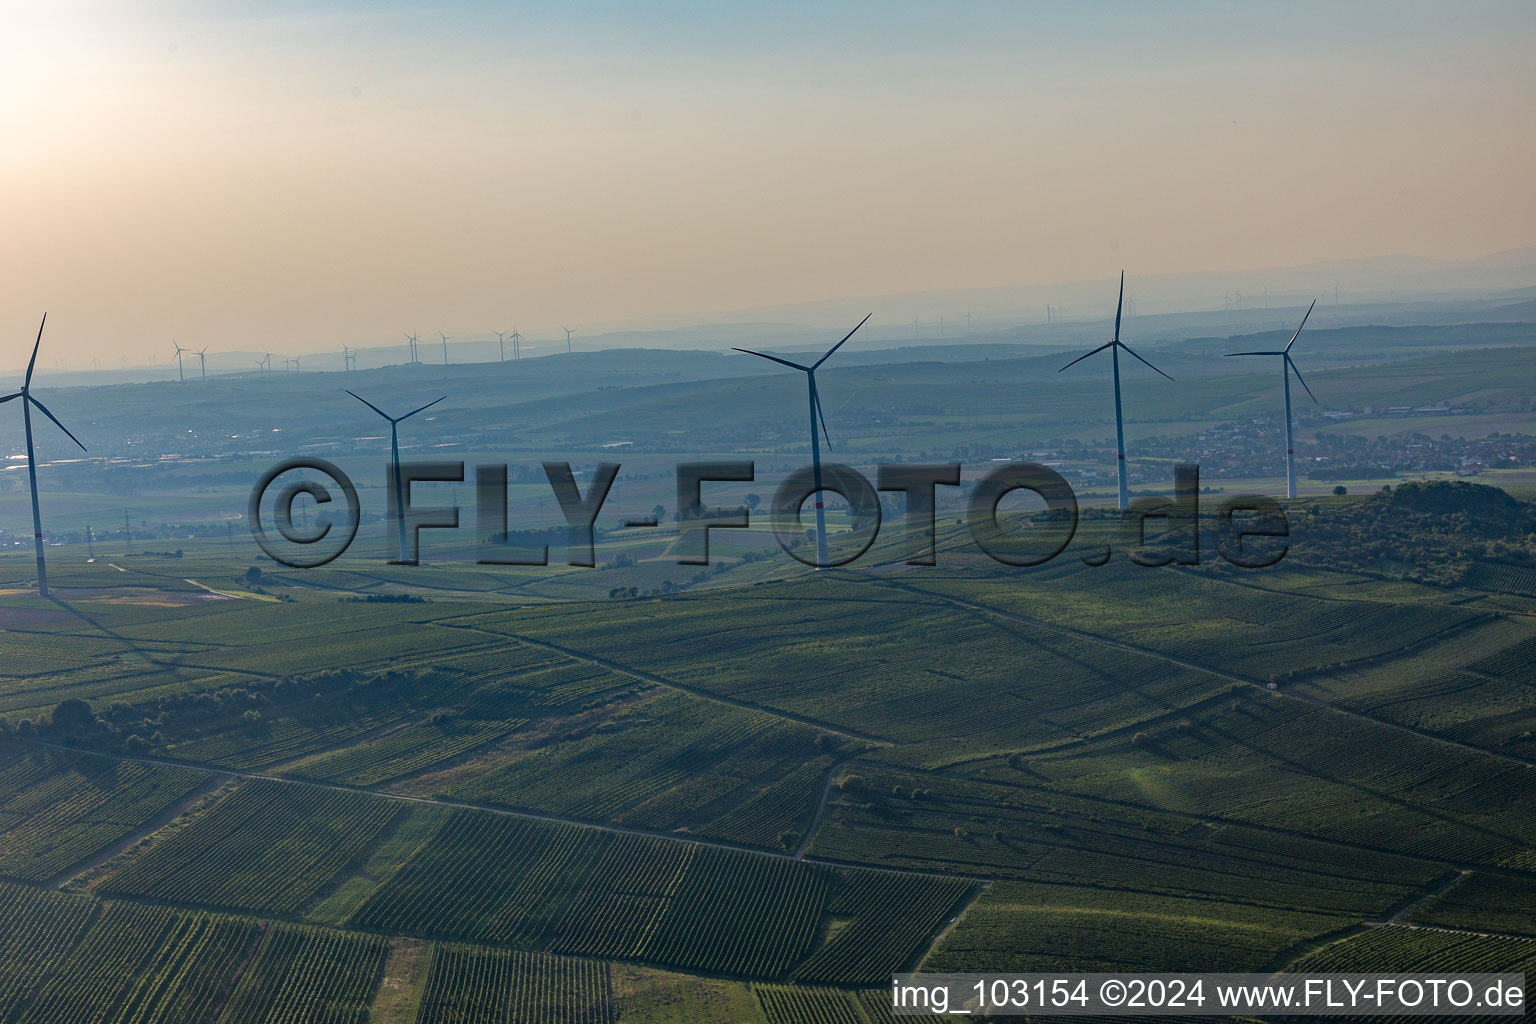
column 1299, row 377
column 1085, row 355
column 839, row 345
column 370, row 405
column 36, row 345
column 1133, row 352
column 1230, row 354
column 413, row 412
column 7, row 398
column 765, row 355
column 1119, row 305
column 44, row 409
column 822, row 417
column 1300, row 326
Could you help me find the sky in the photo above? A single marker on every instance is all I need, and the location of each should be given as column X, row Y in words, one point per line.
column 290, row 176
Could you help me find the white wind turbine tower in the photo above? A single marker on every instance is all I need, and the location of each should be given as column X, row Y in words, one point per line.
column 410, row 340
column 394, row 454
column 967, row 323
column 202, row 361
column 816, row 415
column 501, row 344
column 348, row 358
column 568, row 333
column 517, row 347
column 27, row 402
column 1286, row 369
column 1115, row 345
column 182, row 377
column 445, row 347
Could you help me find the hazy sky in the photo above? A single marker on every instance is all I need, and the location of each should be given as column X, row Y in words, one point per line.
column 288, row 174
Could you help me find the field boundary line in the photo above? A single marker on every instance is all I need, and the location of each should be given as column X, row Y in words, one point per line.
column 942, row 931
column 1129, row 648
column 138, row 835
column 649, row 677
column 630, row 830
column 1440, row 885
column 1451, row 929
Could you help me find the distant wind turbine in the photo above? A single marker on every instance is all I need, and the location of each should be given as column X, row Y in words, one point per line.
column 1115, row 345
column 501, row 344
column 348, row 358
column 816, row 415
column 27, row 402
column 394, row 454
column 445, row 347
column 568, row 333
column 179, row 374
column 517, row 348
column 202, row 361
column 410, row 340
column 967, row 323
column 1286, row 369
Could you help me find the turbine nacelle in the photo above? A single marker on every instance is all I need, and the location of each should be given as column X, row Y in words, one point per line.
column 810, row 372
column 1285, row 354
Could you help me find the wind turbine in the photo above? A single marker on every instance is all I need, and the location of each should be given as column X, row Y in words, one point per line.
column 517, row 348
column 27, row 402
column 202, row 361
column 568, row 333
column 411, row 341
column 501, row 344
column 816, row 414
column 266, row 362
column 967, row 323
column 394, row 454
column 348, row 360
column 1115, row 345
column 445, row 347
column 179, row 350
column 1286, row 369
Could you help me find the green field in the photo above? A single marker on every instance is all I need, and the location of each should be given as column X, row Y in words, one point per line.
column 662, row 793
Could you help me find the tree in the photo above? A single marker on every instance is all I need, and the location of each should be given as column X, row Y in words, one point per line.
column 752, row 501
column 1340, row 490
column 72, row 713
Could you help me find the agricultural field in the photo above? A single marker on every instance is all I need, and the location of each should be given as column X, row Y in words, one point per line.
column 61, row 807
column 263, row 846
column 496, row 794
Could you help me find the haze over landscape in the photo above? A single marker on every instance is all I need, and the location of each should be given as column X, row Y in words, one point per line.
column 291, row 177
column 438, row 630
